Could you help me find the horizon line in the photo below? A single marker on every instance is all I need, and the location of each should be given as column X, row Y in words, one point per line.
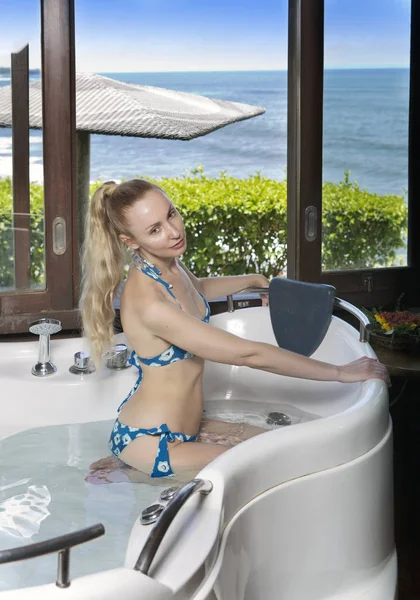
column 344, row 68
column 258, row 70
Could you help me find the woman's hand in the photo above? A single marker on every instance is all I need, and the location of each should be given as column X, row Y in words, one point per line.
column 262, row 281
column 362, row 369
column 264, row 299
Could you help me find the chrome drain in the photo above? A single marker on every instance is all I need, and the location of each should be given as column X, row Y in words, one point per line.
column 278, row 418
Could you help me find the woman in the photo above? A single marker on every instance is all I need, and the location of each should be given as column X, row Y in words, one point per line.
column 165, row 314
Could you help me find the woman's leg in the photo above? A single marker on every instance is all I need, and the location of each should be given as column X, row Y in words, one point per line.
column 227, row 433
column 141, row 454
column 215, row 437
column 186, row 459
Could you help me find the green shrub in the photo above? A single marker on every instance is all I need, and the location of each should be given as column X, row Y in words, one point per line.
column 361, row 229
column 6, row 235
column 37, row 268
column 239, row 225
column 233, row 226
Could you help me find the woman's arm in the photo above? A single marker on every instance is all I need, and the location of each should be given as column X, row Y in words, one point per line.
column 166, row 321
column 216, row 287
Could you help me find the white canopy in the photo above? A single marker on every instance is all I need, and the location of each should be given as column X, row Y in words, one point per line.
column 107, row 106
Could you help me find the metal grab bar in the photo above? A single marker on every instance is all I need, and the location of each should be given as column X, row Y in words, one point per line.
column 365, row 324
column 251, row 290
column 60, row 544
column 162, row 525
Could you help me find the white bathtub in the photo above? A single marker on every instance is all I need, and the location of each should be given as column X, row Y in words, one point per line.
column 303, row 512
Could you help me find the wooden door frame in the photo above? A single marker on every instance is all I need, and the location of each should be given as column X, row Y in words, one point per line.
column 18, row 308
column 304, row 159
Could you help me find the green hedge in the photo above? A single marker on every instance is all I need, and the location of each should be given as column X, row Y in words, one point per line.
column 239, row 225
column 361, row 229
column 233, row 226
column 37, row 268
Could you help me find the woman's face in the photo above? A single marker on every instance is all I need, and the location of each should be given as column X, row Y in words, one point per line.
column 156, row 226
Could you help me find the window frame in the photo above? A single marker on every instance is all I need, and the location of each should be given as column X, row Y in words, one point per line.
column 305, row 145
column 304, row 140
column 59, row 299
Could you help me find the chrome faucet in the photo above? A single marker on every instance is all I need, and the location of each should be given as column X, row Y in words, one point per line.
column 117, row 358
column 44, row 328
column 82, row 364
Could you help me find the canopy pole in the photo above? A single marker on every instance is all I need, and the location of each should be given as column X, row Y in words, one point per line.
column 82, row 183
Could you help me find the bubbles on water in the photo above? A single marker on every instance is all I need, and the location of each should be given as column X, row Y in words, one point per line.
column 21, row 515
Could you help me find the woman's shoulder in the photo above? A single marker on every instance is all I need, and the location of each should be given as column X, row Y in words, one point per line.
column 140, row 293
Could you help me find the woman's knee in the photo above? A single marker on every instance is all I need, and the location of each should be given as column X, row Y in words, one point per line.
column 195, row 454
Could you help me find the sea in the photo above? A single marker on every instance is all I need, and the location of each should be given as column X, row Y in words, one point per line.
column 365, row 131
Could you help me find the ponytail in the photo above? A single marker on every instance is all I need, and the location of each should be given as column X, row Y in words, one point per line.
column 103, row 269
column 104, row 257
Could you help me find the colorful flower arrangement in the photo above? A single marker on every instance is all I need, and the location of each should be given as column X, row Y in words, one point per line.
column 401, row 322
column 398, row 329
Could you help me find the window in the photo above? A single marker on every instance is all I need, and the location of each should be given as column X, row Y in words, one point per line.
column 42, row 270
column 240, row 58
column 365, row 134
column 323, row 133
column 316, row 250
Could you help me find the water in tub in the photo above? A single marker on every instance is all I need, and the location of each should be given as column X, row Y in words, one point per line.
column 43, row 492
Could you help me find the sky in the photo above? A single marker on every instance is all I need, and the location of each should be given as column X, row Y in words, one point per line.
column 210, row 35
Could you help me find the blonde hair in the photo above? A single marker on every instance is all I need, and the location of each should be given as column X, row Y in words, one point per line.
column 104, row 257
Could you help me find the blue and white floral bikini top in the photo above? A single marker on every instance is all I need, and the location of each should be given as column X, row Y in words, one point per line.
column 173, row 353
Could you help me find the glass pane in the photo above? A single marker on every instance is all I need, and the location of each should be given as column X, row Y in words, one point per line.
column 365, row 153
column 22, row 262
column 239, row 58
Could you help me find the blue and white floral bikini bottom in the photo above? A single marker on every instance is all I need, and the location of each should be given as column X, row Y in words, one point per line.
column 121, row 434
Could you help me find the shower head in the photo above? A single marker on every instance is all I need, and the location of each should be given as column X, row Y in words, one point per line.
column 45, row 327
